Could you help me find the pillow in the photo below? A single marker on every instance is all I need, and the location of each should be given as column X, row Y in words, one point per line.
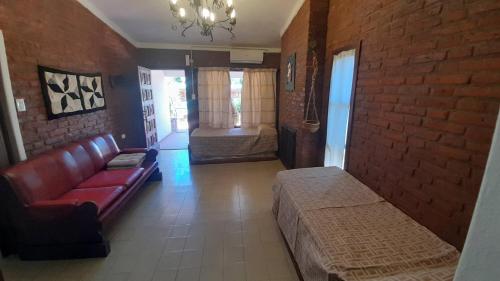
column 123, row 161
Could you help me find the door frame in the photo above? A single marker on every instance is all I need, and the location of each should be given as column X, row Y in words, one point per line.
column 13, row 137
column 357, row 45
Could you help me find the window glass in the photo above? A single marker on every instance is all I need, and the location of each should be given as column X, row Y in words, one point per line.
column 236, row 87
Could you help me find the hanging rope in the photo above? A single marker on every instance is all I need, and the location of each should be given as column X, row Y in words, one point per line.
column 312, row 98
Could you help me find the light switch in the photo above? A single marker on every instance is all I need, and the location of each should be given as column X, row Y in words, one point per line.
column 124, row 136
column 21, row 106
column 188, row 60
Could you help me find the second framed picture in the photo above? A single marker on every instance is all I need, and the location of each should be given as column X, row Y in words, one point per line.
column 91, row 91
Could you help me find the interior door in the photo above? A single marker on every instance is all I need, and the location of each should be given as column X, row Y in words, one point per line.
column 148, row 107
column 192, row 98
column 339, row 108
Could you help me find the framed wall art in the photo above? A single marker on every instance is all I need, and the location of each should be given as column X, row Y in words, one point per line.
column 92, row 92
column 60, row 92
column 68, row 93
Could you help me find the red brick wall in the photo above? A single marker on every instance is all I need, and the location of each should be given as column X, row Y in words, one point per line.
column 427, row 99
column 308, row 26
column 63, row 34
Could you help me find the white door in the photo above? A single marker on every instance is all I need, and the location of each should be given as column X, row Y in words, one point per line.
column 339, row 108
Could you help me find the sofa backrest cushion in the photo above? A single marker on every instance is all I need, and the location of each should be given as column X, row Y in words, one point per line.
column 82, row 157
column 111, row 143
column 101, row 148
column 94, row 153
column 44, row 177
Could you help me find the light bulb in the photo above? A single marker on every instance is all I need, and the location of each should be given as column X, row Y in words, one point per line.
column 212, row 16
column 205, row 13
column 182, row 12
column 173, row 1
column 233, row 14
column 229, row 3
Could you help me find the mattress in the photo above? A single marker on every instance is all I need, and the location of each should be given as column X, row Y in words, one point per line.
column 296, row 191
column 208, row 144
column 339, row 229
column 370, row 242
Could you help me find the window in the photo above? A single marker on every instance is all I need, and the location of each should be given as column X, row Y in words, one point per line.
column 339, row 108
column 236, row 86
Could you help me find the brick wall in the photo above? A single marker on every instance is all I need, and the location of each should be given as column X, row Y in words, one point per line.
column 427, row 99
column 63, row 34
column 308, row 26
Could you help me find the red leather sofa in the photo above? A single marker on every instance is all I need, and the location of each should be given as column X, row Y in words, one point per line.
column 56, row 205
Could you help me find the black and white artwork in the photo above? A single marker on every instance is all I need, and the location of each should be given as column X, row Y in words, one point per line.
column 92, row 93
column 67, row 93
column 61, row 93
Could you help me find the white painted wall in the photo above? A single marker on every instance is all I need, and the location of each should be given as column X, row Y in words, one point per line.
column 481, row 254
column 162, row 110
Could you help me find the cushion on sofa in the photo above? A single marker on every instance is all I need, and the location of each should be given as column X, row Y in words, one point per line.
column 111, row 143
column 102, row 196
column 82, row 157
column 125, row 177
column 68, row 165
column 94, row 153
column 40, row 178
column 126, row 160
column 108, row 151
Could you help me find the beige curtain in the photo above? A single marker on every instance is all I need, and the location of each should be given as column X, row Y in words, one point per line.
column 214, row 98
column 258, row 98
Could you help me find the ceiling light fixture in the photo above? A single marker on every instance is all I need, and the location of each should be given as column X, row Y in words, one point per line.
column 205, row 15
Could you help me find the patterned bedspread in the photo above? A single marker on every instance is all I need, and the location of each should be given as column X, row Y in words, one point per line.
column 301, row 190
column 338, row 229
column 206, row 144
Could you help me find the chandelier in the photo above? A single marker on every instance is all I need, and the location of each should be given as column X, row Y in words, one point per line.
column 207, row 15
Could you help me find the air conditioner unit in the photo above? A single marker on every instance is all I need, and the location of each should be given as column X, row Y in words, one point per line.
column 247, row 56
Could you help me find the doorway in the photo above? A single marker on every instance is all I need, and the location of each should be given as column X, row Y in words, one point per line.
column 340, row 103
column 169, row 90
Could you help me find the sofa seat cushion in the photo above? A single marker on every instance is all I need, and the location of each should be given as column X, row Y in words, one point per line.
column 102, row 196
column 125, row 177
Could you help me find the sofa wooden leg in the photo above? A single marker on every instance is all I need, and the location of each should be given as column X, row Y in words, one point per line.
column 156, row 175
column 64, row 251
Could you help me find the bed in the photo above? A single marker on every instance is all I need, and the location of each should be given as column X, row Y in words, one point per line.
column 207, row 145
column 339, row 229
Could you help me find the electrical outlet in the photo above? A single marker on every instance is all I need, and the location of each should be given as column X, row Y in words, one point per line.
column 21, row 106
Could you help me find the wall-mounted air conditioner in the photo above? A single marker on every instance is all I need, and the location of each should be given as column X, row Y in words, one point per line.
column 247, row 56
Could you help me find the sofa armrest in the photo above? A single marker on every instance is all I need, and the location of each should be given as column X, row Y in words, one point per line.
column 60, row 208
column 151, row 153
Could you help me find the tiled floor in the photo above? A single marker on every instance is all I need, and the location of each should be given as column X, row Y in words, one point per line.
column 208, row 222
column 176, row 140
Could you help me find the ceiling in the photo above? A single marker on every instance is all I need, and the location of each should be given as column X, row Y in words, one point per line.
column 149, row 23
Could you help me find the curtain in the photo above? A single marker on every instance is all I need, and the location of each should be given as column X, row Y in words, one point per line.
column 339, row 108
column 214, row 98
column 258, row 98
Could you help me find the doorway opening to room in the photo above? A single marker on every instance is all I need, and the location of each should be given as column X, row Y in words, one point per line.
column 169, row 88
column 340, row 105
